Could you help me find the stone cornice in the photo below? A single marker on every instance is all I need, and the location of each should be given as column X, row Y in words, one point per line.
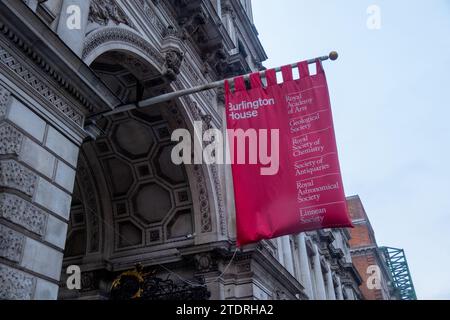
column 47, row 54
column 326, row 236
column 271, row 265
column 363, row 250
column 251, row 34
column 351, row 270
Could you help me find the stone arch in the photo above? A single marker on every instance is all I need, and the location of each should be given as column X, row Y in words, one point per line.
column 178, row 114
column 107, row 39
column 86, row 216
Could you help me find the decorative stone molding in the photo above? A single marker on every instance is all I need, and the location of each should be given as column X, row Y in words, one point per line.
column 48, row 94
column 220, row 198
column 11, row 244
column 89, row 281
column 14, row 284
column 11, row 139
column 206, row 222
column 152, row 17
column 89, row 195
column 171, row 31
column 15, row 176
column 198, row 115
column 117, row 34
column 207, row 124
column 244, row 267
column 204, row 262
column 47, row 68
column 177, row 121
column 363, row 250
column 196, row 80
column 217, row 60
column 104, row 11
column 4, row 99
column 22, row 213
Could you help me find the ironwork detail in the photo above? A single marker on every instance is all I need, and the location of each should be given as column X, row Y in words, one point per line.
column 398, row 266
column 139, row 285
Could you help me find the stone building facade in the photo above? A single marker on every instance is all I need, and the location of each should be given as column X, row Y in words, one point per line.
column 102, row 193
column 367, row 257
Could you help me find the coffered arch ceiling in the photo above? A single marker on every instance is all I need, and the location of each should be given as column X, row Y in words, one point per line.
column 126, row 177
column 126, row 73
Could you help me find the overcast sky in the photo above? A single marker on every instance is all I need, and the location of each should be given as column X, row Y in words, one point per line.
column 390, row 93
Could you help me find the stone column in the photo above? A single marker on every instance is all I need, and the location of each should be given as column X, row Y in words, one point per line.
column 305, row 271
column 280, row 250
column 228, row 21
column 330, row 284
column 72, row 23
column 37, row 173
column 350, row 294
column 340, row 296
column 248, row 9
column 320, row 285
column 219, row 8
column 287, row 254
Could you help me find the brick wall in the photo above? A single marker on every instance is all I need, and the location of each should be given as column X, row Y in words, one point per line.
column 362, row 264
column 360, row 236
column 364, row 250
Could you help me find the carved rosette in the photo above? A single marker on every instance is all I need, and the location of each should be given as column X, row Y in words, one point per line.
column 206, row 222
column 204, row 262
column 220, row 198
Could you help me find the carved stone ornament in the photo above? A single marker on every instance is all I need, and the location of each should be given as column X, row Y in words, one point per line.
column 31, row 76
column 28, row 76
column 103, row 11
column 110, row 34
column 204, row 262
column 206, row 222
column 171, row 31
column 173, row 60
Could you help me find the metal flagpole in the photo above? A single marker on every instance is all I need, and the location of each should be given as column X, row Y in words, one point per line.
column 208, row 86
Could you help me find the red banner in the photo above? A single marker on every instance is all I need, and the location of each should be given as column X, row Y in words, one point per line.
column 300, row 190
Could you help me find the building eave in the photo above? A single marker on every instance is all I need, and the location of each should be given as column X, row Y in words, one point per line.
column 38, row 42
